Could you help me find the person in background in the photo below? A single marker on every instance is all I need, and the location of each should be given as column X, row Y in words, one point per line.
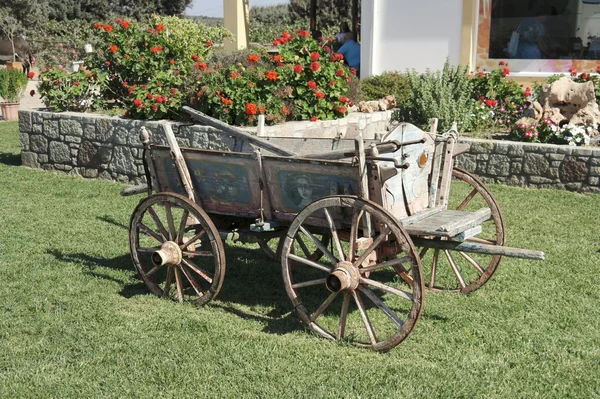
column 351, row 52
column 341, row 35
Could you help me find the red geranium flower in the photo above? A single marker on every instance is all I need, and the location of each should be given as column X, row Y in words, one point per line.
column 285, row 110
column 124, row 24
column 173, row 92
column 271, row 75
column 339, row 72
column 285, row 33
column 137, row 102
column 276, row 42
column 108, row 28
column 154, row 107
column 314, row 119
column 491, row 103
column 344, row 99
column 298, row 68
column 315, row 66
column 208, row 43
column 226, row 101
column 149, row 96
column 505, row 72
column 156, row 49
column 253, row 58
column 326, row 48
column 160, row 27
column 262, row 109
column 303, row 33
column 201, row 66
column 125, row 84
column 32, row 93
column 107, row 62
column 315, row 56
column 312, row 84
column 277, row 58
column 172, row 62
column 160, row 99
column 113, row 48
column 131, row 90
column 30, row 75
column 342, row 109
column 195, row 57
column 98, row 26
column 319, row 94
column 234, row 75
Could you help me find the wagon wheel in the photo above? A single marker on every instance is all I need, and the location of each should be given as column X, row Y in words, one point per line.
column 355, row 295
column 270, row 247
column 459, row 271
column 176, row 248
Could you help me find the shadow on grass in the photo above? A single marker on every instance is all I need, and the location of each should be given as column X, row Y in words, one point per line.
column 112, row 221
column 10, row 159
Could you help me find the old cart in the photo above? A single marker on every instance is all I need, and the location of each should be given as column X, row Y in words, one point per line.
column 360, row 230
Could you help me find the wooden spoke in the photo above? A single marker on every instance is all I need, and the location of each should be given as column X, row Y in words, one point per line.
column 192, row 240
column 436, row 256
column 198, row 253
column 372, row 247
column 179, row 284
column 168, row 282
column 192, row 281
column 343, row 316
column 323, row 306
column 382, row 265
column 334, row 234
column 379, row 303
column 309, row 283
column 481, row 240
column 365, row 318
column 319, row 245
column 182, row 225
column 170, row 223
column 468, row 199
column 159, row 224
column 151, row 232
column 459, row 278
column 147, row 250
column 472, row 261
column 423, row 252
column 153, row 270
column 206, row 276
column 309, row 262
column 303, row 246
column 353, row 233
column 387, row 288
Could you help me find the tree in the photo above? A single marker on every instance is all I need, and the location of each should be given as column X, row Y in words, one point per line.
column 11, row 28
column 31, row 14
column 330, row 13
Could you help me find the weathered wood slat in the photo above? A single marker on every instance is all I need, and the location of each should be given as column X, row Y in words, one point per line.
column 448, row 223
column 200, row 117
column 478, row 248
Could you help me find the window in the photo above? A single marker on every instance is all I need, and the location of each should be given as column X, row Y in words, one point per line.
column 554, row 35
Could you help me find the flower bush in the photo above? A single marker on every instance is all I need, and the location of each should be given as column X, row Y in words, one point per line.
column 548, row 132
column 305, row 81
column 70, row 91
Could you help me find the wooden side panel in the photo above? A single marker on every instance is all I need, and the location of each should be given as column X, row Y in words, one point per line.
column 408, row 193
column 225, row 183
column 292, row 184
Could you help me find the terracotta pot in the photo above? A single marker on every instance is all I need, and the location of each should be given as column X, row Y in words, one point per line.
column 14, row 65
column 10, row 111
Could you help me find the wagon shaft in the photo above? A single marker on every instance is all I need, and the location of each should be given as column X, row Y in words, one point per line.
column 478, row 248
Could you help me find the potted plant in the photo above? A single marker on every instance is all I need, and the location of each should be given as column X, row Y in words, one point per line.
column 13, row 84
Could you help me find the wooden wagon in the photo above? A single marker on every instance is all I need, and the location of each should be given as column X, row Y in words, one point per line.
column 360, row 230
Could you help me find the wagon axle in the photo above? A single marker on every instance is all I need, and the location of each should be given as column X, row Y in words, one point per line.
column 169, row 253
column 345, row 277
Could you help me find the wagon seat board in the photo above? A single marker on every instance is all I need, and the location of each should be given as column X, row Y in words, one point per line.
column 417, row 195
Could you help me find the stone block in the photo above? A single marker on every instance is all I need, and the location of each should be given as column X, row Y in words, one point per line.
column 482, row 148
column 556, row 157
column 121, row 135
column 72, row 139
column 70, row 127
column 38, row 143
column 516, row 181
column 498, row 165
column 535, row 164
column 24, row 141
column 48, row 166
column 573, row 186
column 123, row 161
column 24, row 120
column 500, row 148
column 515, row 150
column 90, row 173
column 582, row 152
column 37, row 128
column 594, row 181
column 104, row 130
column 51, row 129
column 515, row 168
column 30, row 159
column 89, row 131
column 540, row 180
column 595, row 161
column 59, row 152
column 43, row 158
column 466, row 161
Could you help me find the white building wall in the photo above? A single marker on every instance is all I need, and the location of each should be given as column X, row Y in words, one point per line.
column 406, row 34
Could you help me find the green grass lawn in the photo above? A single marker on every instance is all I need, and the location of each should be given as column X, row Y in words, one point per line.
column 75, row 320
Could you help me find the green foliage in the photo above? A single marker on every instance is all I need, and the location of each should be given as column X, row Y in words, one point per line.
column 546, row 131
column 444, row 94
column 302, row 82
column 31, row 14
column 71, row 91
column 330, row 13
column 388, row 83
column 13, row 83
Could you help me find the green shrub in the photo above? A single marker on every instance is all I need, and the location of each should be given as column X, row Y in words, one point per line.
column 64, row 90
column 388, row 83
column 445, row 94
column 13, row 83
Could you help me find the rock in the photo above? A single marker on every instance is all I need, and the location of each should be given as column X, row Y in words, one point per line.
column 568, row 101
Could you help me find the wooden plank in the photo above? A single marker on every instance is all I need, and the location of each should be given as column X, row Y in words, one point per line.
column 184, row 173
column 434, row 180
column 444, row 191
column 487, row 249
column 448, row 223
column 203, row 118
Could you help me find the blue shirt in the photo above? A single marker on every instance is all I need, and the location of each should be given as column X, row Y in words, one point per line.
column 351, row 52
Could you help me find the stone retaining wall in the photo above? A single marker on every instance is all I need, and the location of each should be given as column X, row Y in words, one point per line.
column 99, row 146
column 533, row 165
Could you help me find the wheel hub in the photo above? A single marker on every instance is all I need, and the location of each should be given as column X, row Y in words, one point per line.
column 345, row 277
column 169, row 253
